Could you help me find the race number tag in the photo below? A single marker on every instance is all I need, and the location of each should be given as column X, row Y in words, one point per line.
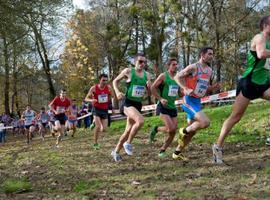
column 138, row 91
column 173, row 90
column 201, row 87
column 60, row 109
column 267, row 64
column 103, row 98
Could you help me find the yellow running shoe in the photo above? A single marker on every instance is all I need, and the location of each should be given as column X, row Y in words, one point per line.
column 181, row 136
column 179, row 157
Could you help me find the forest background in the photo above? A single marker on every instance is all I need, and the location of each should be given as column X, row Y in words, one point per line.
column 46, row 45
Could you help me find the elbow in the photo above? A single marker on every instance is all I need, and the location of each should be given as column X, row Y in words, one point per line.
column 262, row 54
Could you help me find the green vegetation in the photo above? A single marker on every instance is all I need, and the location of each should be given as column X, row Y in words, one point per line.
column 77, row 171
column 20, row 185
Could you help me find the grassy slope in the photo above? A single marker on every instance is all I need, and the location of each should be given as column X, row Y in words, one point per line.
column 76, row 171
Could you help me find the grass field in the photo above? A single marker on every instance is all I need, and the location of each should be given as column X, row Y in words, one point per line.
column 76, row 171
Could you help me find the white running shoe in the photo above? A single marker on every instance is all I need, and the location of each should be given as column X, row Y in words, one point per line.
column 128, row 148
column 116, row 156
column 268, row 141
column 217, row 154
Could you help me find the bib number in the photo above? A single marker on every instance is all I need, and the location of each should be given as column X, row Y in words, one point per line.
column 201, row 87
column 138, row 91
column 173, row 90
column 267, row 64
column 102, row 98
column 60, row 109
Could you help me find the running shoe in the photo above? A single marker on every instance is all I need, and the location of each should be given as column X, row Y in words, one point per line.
column 268, row 141
column 153, row 134
column 181, row 136
column 217, row 154
column 162, row 154
column 180, row 156
column 116, row 156
column 128, row 148
column 92, row 126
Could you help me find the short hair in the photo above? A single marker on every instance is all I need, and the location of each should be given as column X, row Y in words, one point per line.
column 204, row 50
column 264, row 21
column 42, row 108
column 103, row 75
column 63, row 90
column 171, row 60
column 137, row 55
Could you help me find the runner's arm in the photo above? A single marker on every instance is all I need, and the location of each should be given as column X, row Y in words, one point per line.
column 148, row 84
column 123, row 75
column 262, row 52
column 155, row 86
column 90, row 96
column 51, row 105
column 180, row 76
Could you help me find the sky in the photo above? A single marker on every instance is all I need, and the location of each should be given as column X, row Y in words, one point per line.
column 81, row 4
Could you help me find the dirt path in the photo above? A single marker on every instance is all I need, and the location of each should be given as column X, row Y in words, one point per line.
column 76, row 171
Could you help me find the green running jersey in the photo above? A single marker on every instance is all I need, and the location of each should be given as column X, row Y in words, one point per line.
column 169, row 90
column 137, row 86
column 260, row 74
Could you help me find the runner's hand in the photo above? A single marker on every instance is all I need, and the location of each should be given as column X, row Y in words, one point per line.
column 120, row 95
column 94, row 101
column 188, row 91
column 216, row 87
column 164, row 102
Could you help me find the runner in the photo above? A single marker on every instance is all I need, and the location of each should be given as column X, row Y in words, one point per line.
column 169, row 90
column 60, row 105
column 254, row 84
column 29, row 116
column 138, row 81
column 72, row 118
column 194, row 80
column 43, row 120
column 99, row 95
column 51, row 121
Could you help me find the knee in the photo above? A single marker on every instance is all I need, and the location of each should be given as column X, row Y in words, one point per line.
column 140, row 121
column 236, row 117
column 205, row 123
column 171, row 130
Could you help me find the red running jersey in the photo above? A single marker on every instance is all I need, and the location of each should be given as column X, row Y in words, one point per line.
column 61, row 105
column 102, row 97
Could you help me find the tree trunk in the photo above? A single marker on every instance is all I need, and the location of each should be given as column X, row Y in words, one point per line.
column 6, row 87
column 44, row 60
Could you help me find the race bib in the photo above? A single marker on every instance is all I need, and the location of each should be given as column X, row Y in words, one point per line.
column 173, row 90
column 103, row 98
column 138, row 91
column 201, row 87
column 60, row 109
column 267, row 64
column 44, row 120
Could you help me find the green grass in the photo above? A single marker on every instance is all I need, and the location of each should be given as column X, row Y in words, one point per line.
column 84, row 186
column 20, row 185
column 76, row 171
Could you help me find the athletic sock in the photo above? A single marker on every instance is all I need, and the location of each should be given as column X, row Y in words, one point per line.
column 177, row 152
column 185, row 131
column 162, row 151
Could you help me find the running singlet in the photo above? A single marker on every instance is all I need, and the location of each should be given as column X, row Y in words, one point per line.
column 102, row 97
column 44, row 118
column 51, row 115
column 260, row 74
column 73, row 113
column 199, row 81
column 29, row 117
column 169, row 91
column 60, row 105
column 136, row 87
